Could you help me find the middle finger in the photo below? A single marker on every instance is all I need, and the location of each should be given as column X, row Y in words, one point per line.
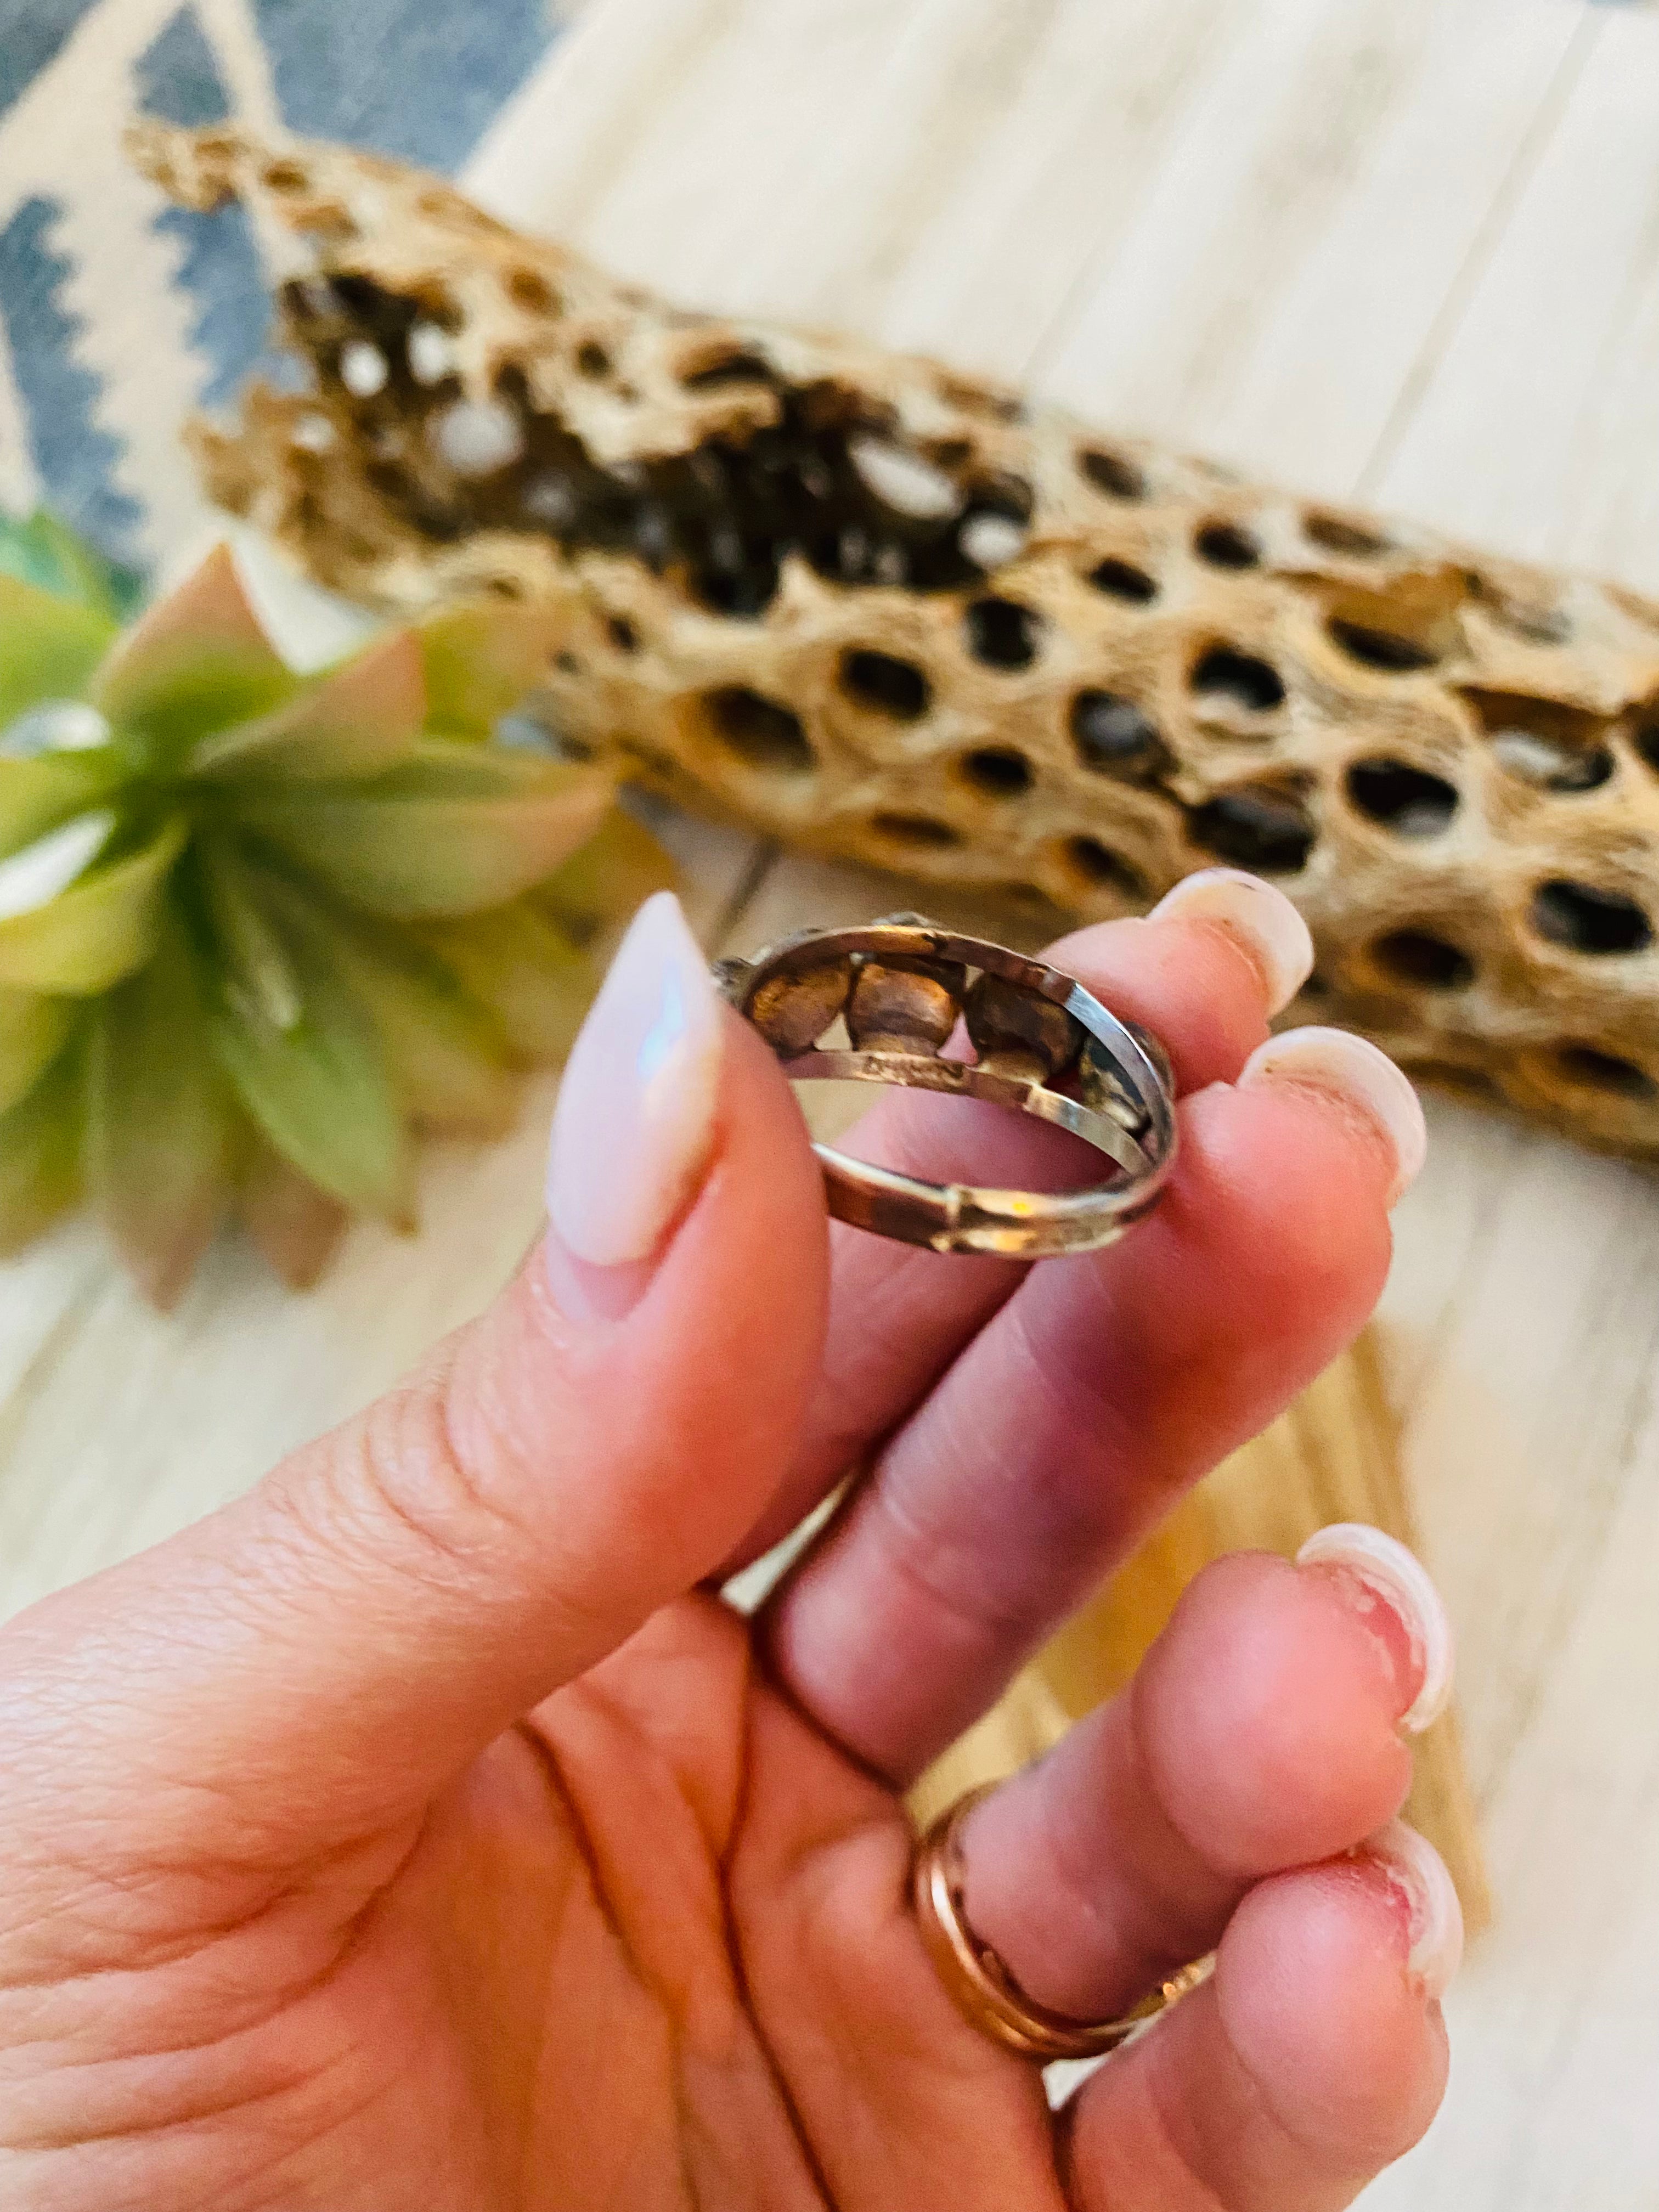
column 1103, row 1388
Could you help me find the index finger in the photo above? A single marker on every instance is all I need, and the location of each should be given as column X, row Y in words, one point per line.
column 1204, row 972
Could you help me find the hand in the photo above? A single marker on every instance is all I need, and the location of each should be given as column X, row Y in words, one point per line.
column 418, row 1835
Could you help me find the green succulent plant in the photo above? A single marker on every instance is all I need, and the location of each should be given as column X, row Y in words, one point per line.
column 258, row 930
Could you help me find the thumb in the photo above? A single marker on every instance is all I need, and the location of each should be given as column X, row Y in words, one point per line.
column 309, row 1665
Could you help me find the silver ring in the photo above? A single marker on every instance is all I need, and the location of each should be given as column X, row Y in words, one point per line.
column 1043, row 1045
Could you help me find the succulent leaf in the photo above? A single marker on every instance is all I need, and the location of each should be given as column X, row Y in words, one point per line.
column 320, row 1090
column 40, row 1154
column 615, row 871
column 42, row 551
column 32, row 1032
column 480, row 661
column 256, row 969
column 358, row 720
column 41, row 793
column 311, row 915
column 97, row 930
column 158, row 1119
column 197, row 661
column 49, row 647
column 296, row 1225
column 457, row 828
column 524, row 967
column 44, row 870
column 449, row 1058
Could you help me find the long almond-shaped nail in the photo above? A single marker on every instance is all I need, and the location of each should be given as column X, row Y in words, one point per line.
column 1434, row 1917
column 1391, row 1590
column 1258, row 917
column 636, row 1118
column 1348, row 1068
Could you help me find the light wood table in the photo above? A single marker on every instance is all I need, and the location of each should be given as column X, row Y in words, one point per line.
column 1403, row 249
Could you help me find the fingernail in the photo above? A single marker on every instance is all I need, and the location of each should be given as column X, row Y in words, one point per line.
column 635, row 1116
column 1348, row 1068
column 1384, row 1583
column 1434, row 1917
column 1261, row 918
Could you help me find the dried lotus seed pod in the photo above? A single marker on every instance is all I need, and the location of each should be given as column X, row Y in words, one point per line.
column 793, row 1011
column 896, row 1009
column 1017, row 1033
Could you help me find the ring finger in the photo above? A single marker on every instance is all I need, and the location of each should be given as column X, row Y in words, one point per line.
column 1267, row 1730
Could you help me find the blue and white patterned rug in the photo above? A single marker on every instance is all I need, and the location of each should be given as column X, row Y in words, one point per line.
column 120, row 315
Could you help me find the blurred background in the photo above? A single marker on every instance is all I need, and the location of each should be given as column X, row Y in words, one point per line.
column 1398, row 252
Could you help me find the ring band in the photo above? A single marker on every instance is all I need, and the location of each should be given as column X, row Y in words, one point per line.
column 1043, row 1046
column 980, row 1985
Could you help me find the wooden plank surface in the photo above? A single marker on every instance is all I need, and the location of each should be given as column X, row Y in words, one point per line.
column 1403, row 247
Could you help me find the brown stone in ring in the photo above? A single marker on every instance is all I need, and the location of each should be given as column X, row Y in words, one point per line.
column 1043, row 1045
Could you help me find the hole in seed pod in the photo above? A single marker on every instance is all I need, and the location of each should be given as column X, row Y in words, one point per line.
column 998, row 770
column 357, row 297
column 529, row 289
column 1646, row 736
column 1261, row 829
column 1115, row 737
column 1542, row 741
column 431, row 352
column 920, row 830
column 387, row 478
column 1414, row 956
column 991, row 541
column 744, row 592
column 1389, row 650
column 1226, row 673
column 622, row 634
column 285, row 177
column 1594, row 1070
column 1407, row 800
column 891, row 686
column 1002, row 633
column 362, row 368
column 981, row 399
column 1338, row 533
column 477, row 437
column 592, row 360
column 760, row 731
column 734, row 366
column 1588, row 920
column 1111, row 473
column 1225, row 545
column 902, row 481
column 1100, row 864
column 1550, row 765
column 1121, row 579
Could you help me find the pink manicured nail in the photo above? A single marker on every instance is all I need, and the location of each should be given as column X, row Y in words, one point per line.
column 635, row 1116
column 1372, row 1571
column 1349, row 1068
column 1262, row 920
column 1435, row 1918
